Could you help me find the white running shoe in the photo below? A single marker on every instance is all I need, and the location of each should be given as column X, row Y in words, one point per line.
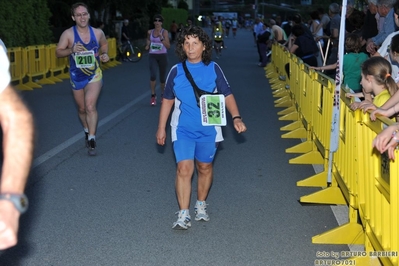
column 183, row 221
column 200, row 211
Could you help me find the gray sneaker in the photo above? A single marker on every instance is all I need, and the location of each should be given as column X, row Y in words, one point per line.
column 183, row 221
column 200, row 211
column 92, row 147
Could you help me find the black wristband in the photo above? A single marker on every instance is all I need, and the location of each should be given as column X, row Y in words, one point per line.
column 237, row 117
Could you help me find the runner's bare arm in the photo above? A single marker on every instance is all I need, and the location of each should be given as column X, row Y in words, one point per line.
column 65, row 44
column 165, row 36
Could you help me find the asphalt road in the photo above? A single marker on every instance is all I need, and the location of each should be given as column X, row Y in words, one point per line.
column 117, row 208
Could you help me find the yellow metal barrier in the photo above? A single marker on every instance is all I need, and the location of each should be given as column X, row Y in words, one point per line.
column 112, row 53
column 33, row 66
column 37, row 66
column 378, row 191
column 361, row 177
column 270, row 67
column 281, row 85
column 56, row 65
column 18, row 66
column 297, row 129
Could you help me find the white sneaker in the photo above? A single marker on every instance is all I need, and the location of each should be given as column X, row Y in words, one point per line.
column 183, row 221
column 200, row 211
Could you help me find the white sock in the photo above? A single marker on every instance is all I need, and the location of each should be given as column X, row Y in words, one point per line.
column 185, row 212
column 86, row 130
column 92, row 137
column 200, row 203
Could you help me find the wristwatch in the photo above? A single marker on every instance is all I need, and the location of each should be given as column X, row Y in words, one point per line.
column 20, row 201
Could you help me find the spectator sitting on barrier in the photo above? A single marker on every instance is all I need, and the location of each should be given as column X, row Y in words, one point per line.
column 376, row 82
column 303, row 46
column 353, row 59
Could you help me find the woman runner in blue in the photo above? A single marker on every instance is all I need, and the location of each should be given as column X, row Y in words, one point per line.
column 194, row 144
column 85, row 46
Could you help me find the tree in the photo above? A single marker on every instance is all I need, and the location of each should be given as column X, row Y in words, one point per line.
column 25, row 23
column 182, row 5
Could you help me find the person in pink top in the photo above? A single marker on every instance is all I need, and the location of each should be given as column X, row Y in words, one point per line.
column 157, row 44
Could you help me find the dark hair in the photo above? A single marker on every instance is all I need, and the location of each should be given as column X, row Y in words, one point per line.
column 315, row 15
column 353, row 43
column 396, row 8
column 356, row 19
column 158, row 16
column 395, row 44
column 381, row 70
column 297, row 18
column 194, row 31
column 297, row 30
column 76, row 5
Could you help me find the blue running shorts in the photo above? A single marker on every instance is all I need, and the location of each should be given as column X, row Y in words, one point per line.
column 79, row 85
column 189, row 149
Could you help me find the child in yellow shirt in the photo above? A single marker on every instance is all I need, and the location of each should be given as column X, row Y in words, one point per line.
column 377, row 83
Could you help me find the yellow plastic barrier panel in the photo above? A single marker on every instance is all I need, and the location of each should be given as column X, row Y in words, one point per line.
column 18, row 67
column 58, row 67
column 37, row 66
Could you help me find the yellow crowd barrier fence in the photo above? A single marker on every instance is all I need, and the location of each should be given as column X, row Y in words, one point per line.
column 33, row 66
column 361, row 178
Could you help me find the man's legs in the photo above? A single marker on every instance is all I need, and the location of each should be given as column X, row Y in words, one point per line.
column 124, row 48
column 263, row 52
column 86, row 101
column 79, row 96
column 92, row 92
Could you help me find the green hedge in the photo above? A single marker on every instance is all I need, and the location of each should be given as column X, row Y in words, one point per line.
column 170, row 14
column 24, row 23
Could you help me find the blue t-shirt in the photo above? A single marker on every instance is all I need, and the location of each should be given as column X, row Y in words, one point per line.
column 186, row 116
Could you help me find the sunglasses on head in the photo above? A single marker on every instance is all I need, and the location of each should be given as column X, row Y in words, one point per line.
column 157, row 20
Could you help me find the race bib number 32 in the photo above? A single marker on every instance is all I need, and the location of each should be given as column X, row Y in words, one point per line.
column 85, row 59
column 213, row 110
